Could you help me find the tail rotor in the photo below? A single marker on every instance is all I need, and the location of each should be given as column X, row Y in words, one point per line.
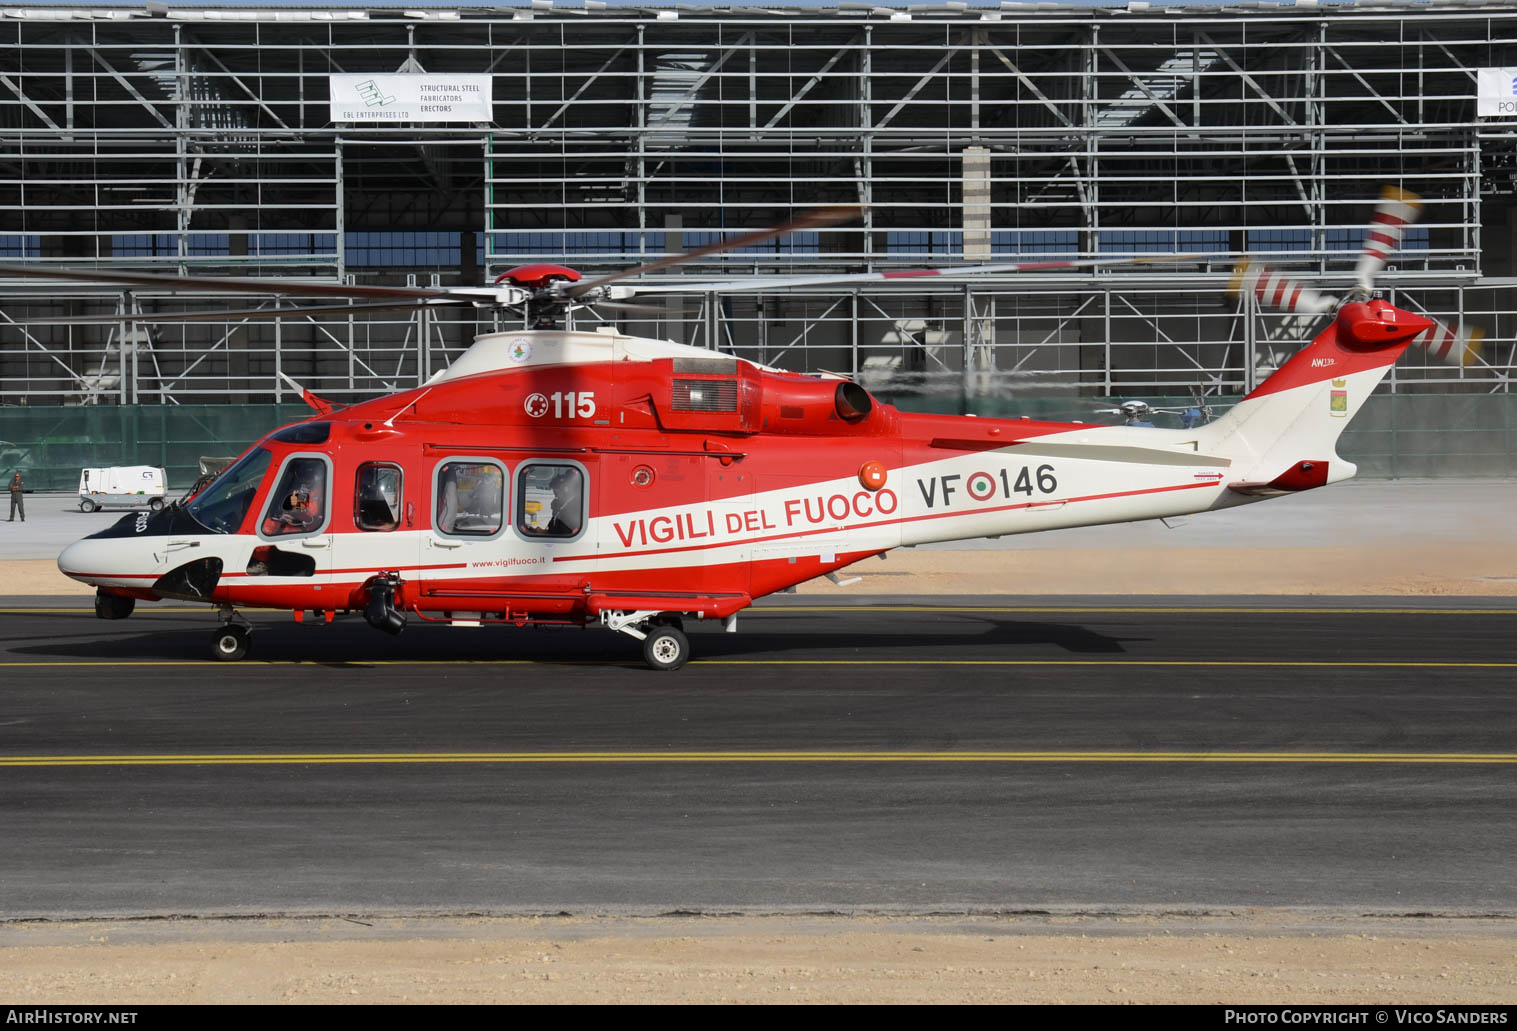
column 1277, row 291
column 1397, row 209
column 1452, row 345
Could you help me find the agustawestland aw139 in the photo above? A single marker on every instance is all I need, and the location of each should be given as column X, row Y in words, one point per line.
column 552, row 476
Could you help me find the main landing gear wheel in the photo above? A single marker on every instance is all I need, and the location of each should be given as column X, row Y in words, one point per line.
column 113, row 606
column 230, row 643
column 665, row 647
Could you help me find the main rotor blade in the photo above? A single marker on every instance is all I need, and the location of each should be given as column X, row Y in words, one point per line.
column 1397, row 209
column 264, row 286
column 785, row 282
column 247, row 313
column 651, row 309
column 814, row 219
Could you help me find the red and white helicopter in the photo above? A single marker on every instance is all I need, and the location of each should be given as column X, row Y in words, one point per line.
column 566, row 477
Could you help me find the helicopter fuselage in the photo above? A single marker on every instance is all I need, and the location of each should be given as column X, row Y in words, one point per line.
column 566, row 477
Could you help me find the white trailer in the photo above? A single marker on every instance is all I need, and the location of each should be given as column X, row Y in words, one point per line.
column 133, row 485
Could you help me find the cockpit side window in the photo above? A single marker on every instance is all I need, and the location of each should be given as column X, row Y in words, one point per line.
column 298, row 503
column 470, row 498
column 376, row 500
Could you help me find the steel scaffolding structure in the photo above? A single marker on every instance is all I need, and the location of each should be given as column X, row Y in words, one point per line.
column 200, row 141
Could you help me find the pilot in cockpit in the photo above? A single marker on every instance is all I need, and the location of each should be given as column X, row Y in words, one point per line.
column 298, row 508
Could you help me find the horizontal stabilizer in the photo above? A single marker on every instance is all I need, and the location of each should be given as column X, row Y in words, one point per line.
column 1131, row 454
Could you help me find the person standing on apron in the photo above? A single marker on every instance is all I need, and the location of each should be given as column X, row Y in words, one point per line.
column 18, row 498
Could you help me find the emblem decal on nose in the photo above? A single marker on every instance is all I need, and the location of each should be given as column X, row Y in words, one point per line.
column 141, row 521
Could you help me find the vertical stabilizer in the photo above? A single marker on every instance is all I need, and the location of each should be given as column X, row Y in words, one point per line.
column 1283, row 437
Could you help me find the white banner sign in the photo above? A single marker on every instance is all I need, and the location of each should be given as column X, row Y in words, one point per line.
column 411, row 98
column 1497, row 93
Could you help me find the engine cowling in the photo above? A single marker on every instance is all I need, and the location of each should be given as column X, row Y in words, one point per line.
column 726, row 395
column 805, row 404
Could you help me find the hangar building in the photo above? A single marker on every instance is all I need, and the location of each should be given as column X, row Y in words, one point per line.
column 211, row 140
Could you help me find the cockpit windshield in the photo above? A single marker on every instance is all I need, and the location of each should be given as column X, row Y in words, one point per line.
column 222, row 506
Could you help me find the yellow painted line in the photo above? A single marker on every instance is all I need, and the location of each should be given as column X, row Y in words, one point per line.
column 1267, row 663
column 393, row 758
column 371, row 663
column 88, row 610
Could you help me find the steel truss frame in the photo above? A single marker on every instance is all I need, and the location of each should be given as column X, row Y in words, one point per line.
column 200, row 142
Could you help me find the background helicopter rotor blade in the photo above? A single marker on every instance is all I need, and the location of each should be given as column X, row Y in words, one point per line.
column 810, row 220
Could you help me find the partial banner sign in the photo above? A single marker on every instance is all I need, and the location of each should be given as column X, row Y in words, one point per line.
column 1496, row 95
column 411, row 98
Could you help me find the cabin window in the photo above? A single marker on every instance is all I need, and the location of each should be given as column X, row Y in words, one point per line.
column 298, row 503
column 550, row 499
column 471, row 498
column 376, row 501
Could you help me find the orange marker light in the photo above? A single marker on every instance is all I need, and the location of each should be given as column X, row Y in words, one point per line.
column 872, row 475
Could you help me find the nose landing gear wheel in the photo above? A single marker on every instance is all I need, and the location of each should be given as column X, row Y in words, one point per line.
column 112, row 606
column 665, row 647
column 230, row 643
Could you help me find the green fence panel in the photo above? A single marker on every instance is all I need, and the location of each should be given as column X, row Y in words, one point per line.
column 50, row 445
column 1395, row 436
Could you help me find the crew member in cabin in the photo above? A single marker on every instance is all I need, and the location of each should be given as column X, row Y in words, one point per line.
column 568, row 507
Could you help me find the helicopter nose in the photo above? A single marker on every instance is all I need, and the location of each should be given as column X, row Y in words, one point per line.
column 91, row 561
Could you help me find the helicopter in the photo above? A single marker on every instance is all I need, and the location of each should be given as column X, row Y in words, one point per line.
column 1141, row 413
column 560, row 477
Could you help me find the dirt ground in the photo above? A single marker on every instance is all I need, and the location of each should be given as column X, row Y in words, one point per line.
column 1269, row 958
